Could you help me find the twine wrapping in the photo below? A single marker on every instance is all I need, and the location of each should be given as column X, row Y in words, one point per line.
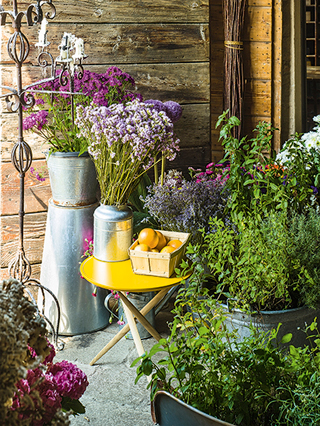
column 237, row 45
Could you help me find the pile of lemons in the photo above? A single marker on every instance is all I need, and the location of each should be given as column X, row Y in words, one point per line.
column 155, row 241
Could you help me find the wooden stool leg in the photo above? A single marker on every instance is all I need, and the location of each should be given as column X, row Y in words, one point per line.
column 139, row 315
column 157, row 298
column 134, row 329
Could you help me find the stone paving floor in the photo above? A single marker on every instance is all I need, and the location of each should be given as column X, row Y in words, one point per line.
column 112, row 398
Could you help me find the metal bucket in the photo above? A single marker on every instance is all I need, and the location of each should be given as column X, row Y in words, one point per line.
column 292, row 321
column 139, row 300
column 72, row 178
column 66, row 231
column 112, row 235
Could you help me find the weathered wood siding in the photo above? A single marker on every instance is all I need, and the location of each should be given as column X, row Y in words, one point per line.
column 164, row 45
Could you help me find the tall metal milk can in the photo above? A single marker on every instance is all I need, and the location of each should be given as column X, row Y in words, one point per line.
column 69, row 224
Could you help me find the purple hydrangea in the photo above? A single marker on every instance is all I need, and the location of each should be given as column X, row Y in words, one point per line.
column 171, row 108
column 69, row 380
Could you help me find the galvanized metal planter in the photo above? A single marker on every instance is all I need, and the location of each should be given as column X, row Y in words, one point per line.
column 292, row 320
column 113, row 229
column 72, row 178
column 69, row 223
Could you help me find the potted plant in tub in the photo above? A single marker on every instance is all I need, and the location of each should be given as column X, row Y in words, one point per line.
column 266, row 260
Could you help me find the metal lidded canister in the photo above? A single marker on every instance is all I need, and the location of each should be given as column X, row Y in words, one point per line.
column 113, row 229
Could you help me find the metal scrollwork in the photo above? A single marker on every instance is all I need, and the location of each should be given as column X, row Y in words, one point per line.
column 21, row 156
column 79, row 70
column 18, row 47
column 12, row 104
column 27, row 100
column 34, row 12
column 43, row 61
column 64, row 75
column 19, row 267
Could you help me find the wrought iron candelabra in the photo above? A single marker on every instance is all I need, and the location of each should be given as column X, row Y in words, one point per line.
column 20, row 98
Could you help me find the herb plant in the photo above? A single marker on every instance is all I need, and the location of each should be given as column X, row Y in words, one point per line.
column 272, row 266
column 253, row 382
column 258, row 183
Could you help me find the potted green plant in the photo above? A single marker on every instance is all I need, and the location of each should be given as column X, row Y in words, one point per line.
column 246, row 382
column 263, row 266
column 124, row 141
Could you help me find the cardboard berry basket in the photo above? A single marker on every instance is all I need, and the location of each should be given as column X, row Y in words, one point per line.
column 159, row 264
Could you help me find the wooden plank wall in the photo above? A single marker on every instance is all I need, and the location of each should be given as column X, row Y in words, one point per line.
column 164, row 45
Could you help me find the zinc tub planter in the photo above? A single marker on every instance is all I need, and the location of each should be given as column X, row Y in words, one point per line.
column 292, row 321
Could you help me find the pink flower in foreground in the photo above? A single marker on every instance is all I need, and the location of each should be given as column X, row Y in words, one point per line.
column 69, row 379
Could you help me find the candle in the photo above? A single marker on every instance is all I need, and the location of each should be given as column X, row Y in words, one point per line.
column 43, row 33
column 79, row 46
column 64, row 46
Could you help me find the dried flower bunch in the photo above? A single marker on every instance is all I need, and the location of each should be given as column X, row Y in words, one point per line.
column 51, row 118
column 186, row 205
column 124, row 141
column 33, row 390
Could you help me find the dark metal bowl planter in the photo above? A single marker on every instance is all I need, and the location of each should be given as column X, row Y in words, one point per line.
column 167, row 410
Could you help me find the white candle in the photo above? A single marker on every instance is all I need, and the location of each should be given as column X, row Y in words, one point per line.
column 43, row 33
column 64, row 46
column 79, row 46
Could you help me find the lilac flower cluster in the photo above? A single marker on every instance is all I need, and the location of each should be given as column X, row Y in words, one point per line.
column 36, row 120
column 186, row 206
column 47, row 386
column 53, row 118
column 216, row 172
column 171, row 108
column 39, row 175
column 124, row 141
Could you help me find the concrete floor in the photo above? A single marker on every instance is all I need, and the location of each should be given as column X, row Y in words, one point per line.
column 112, row 398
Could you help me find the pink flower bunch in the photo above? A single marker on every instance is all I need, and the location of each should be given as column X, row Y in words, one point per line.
column 213, row 172
column 47, row 386
column 39, row 175
column 36, row 120
column 44, row 394
column 70, row 381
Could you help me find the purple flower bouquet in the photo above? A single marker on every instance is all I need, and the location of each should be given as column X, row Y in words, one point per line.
column 51, row 118
column 124, row 140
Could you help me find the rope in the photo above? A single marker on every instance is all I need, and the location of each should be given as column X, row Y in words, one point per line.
column 236, row 45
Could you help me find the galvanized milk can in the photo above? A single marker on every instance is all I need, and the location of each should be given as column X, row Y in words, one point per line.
column 69, row 224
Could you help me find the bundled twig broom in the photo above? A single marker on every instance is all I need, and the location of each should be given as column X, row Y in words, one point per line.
column 234, row 79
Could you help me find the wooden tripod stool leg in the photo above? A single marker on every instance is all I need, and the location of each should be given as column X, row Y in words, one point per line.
column 139, row 316
column 133, row 328
column 157, row 298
